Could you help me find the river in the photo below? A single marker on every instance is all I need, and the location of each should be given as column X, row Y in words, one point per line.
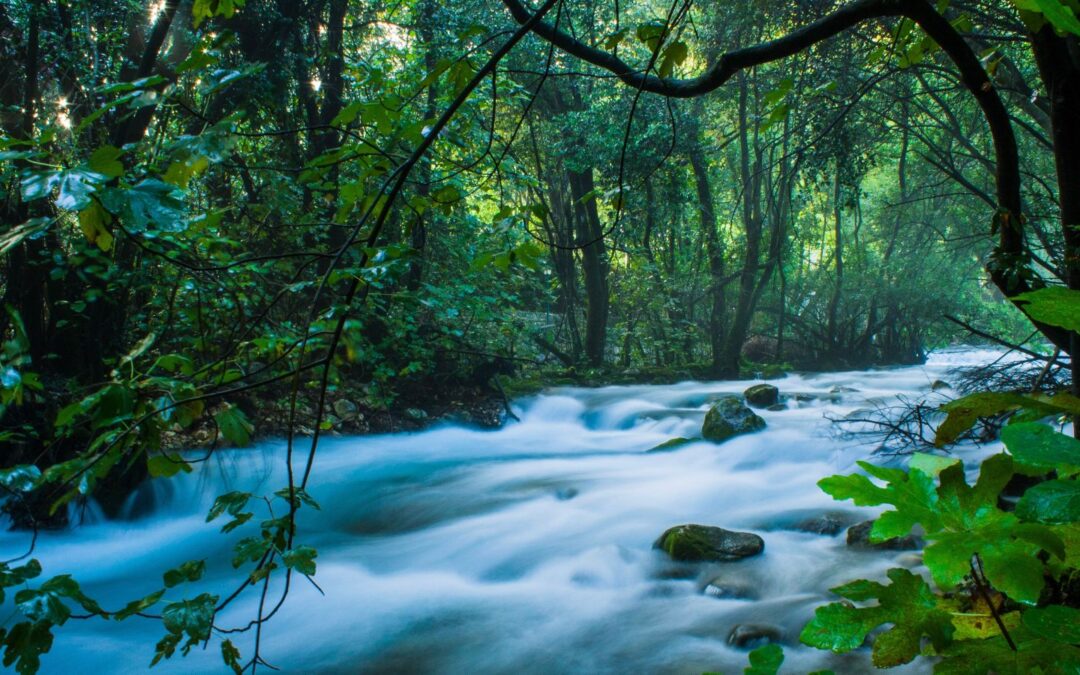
column 522, row 550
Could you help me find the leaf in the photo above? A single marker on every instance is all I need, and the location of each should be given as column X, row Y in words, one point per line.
column 234, row 425
column 674, row 55
column 191, row 570
column 908, row 603
column 301, row 559
column 1041, row 447
column 765, row 660
column 231, row 656
column 1055, row 501
column 105, row 161
column 136, row 606
column 165, row 466
column 1055, row 305
column 963, row 412
column 231, row 502
column 150, row 202
column 651, row 33
column 191, row 618
column 1061, row 17
column 24, row 644
column 73, row 186
column 1055, row 622
column 92, row 221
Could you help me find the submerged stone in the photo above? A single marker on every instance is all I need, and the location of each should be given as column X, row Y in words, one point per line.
column 704, row 543
column 858, row 536
column 669, row 445
column 752, row 635
column 728, row 418
column 762, row 395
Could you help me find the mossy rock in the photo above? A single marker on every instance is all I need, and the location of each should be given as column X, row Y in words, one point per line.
column 728, row 418
column 704, row 543
column 669, row 445
column 762, row 395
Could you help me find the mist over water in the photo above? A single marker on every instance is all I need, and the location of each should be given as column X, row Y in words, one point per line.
column 524, row 550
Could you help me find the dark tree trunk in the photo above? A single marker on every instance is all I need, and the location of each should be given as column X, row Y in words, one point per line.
column 594, row 264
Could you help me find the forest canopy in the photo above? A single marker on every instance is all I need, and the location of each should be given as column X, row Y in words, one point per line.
column 225, row 219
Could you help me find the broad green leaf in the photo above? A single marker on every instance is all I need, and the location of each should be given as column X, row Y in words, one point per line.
column 105, row 161
column 234, row 425
column 765, row 660
column 1060, row 16
column 166, row 466
column 963, row 412
column 907, row 603
column 301, row 559
column 1055, row 305
column 191, row 618
column 1054, row 622
column 150, row 202
column 1055, row 501
column 1040, row 446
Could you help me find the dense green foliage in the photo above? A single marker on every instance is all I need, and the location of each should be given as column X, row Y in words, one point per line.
column 1007, row 573
column 230, row 217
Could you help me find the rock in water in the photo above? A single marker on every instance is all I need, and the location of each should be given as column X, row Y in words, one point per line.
column 751, row 635
column 703, row 543
column 762, row 395
column 729, row 418
column 858, row 536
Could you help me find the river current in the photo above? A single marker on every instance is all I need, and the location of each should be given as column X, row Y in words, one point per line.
column 523, row 550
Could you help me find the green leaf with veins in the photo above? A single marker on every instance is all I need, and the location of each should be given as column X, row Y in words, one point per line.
column 1041, row 447
column 1055, row 501
column 908, row 603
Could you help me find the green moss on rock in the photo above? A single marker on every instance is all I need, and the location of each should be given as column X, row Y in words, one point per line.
column 704, row 543
column 728, row 418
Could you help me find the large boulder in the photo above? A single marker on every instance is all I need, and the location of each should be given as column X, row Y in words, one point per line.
column 762, row 395
column 703, row 543
column 728, row 418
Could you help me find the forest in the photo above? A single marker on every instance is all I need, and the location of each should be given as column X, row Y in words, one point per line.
column 441, row 336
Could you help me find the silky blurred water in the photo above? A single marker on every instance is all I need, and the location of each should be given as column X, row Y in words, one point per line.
column 522, row 550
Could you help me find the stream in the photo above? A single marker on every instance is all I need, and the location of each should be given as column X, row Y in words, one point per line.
column 523, row 550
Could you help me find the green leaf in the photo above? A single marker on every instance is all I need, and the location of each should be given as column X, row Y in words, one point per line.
column 765, row 660
column 104, row 160
column 231, row 656
column 651, row 33
column 73, row 186
column 191, row 618
column 24, row 644
column 963, row 412
column 234, row 425
column 1055, row 305
column 1041, row 447
column 1061, row 17
column 150, row 202
column 1054, row 622
column 231, row 502
column 136, row 606
column 674, row 55
column 301, row 559
column 1055, row 501
column 166, row 466
column 908, row 603
column 191, row 570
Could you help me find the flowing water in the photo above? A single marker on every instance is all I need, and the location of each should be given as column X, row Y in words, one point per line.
column 522, row 550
